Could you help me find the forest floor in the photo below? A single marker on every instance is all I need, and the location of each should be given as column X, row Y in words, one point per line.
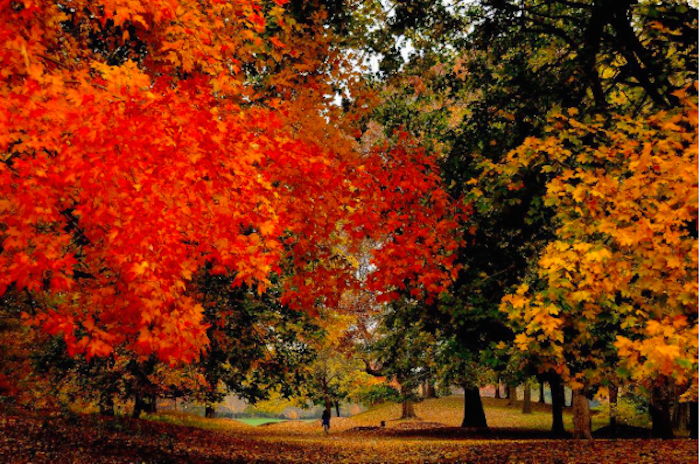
column 178, row 438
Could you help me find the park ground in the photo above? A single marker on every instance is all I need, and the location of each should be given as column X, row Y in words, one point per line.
column 435, row 437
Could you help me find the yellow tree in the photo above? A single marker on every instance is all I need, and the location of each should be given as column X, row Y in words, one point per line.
column 617, row 291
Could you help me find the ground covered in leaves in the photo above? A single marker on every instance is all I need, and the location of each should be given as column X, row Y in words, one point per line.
column 173, row 438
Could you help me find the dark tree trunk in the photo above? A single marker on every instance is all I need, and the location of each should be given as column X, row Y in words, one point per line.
column 106, row 405
column 150, row 404
column 474, row 416
column 209, row 411
column 430, row 391
column 497, row 395
column 557, row 405
column 512, row 395
column 139, row 406
column 527, row 399
column 612, row 394
column 541, row 400
column 407, row 409
column 661, row 424
column 582, row 415
column 506, row 392
column 337, row 408
column 693, row 422
column 327, row 404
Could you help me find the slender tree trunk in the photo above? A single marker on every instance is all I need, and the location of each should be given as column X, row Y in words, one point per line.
column 337, row 408
column 209, row 411
column 661, row 424
column 407, row 409
column 582, row 416
column 497, row 395
column 474, row 416
column 541, row 400
column 557, row 405
column 693, row 420
column 512, row 395
column 527, row 399
column 507, row 392
column 612, row 397
column 150, row 403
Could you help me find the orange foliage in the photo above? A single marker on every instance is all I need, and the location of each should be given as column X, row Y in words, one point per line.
column 140, row 139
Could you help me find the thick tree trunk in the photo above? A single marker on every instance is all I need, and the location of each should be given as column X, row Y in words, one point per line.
column 582, row 416
column 661, row 424
column 527, row 399
column 693, row 420
column 407, row 410
column 139, row 406
column 512, row 395
column 209, row 411
column 430, row 391
column 506, row 392
column 337, row 408
column 557, row 405
column 612, row 397
column 497, row 395
column 474, row 416
column 541, row 400
column 327, row 405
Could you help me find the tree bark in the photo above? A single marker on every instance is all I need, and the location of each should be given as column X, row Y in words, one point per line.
column 138, row 406
column 474, row 416
column 506, row 392
column 209, row 411
column 512, row 395
column 541, row 400
column 693, row 419
column 557, row 405
column 661, row 423
column 407, row 409
column 527, row 399
column 612, row 397
column 337, row 408
column 582, row 416
column 430, row 391
column 497, row 395
column 327, row 404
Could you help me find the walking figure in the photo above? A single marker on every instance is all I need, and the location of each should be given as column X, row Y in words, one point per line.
column 326, row 420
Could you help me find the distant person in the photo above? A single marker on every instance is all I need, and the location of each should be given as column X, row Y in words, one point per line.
column 326, row 420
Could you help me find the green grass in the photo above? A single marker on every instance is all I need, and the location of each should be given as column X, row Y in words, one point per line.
column 255, row 421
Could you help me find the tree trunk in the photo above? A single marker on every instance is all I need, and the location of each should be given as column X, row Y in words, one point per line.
column 209, row 411
column 337, row 408
column 661, row 424
column 407, row 410
column 474, row 416
column 430, row 392
column 527, row 399
column 150, row 403
column 138, row 406
column 497, row 395
column 512, row 395
column 327, row 405
column 693, row 422
column 541, row 400
column 582, row 416
column 612, row 397
column 506, row 392
column 557, row 406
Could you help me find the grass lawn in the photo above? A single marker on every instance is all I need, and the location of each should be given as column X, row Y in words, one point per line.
column 435, row 437
column 255, row 421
